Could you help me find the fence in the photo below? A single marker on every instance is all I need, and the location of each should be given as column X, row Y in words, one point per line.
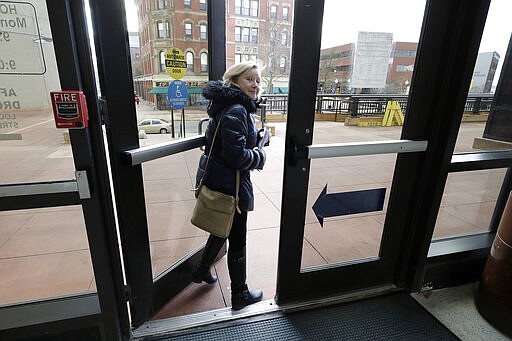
column 362, row 105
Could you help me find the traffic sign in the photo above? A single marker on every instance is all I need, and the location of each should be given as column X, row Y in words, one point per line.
column 175, row 63
column 177, row 94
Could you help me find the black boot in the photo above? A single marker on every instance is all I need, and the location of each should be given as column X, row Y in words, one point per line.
column 241, row 296
column 202, row 272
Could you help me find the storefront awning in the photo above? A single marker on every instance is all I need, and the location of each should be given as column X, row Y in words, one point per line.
column 163, row 90
column 156, row 91
column 279, row 90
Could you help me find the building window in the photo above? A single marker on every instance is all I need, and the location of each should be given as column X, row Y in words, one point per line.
column 273, row 11
column 405, row 68
column 247, row 7
column 254, row 35
column 285, row 13
column 167, row 29
column 238, row 33
column 254, row 8
column 403, row 53
column 160, row 30
column 190, row 61
column 188, row 30
column 245, row 34
column 282, row 65
column 186, row 4
column 161, row 4
column 162, row 61
column 273, row 35
column 270, row 61
column 202, row 5
column 238, row 58
column 203, row 32
column 284, row 38
column 204, row 62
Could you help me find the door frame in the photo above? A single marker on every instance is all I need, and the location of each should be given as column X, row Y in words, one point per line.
column 435, row 110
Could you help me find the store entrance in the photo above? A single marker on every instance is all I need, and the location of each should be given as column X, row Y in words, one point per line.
column 114, row 200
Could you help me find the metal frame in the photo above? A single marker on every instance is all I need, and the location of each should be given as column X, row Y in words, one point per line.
column 145, row 296
column 138, row 156
column 318, row 151
column 448, row 49
column 89, row 154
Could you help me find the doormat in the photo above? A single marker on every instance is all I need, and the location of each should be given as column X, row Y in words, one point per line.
column 394, row 316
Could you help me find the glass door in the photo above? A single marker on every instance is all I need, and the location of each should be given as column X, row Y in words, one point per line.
column 54, row 206
column 153, row 168
column 356, row 139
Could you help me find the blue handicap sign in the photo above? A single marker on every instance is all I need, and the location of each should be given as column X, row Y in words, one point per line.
column 177, row 94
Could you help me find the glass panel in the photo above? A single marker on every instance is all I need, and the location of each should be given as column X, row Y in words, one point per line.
column 486, row 75
column 32, row 148
column 468, row 202
column 44, row 253
column 344, row 237
column 168, row 184
column 366, row 65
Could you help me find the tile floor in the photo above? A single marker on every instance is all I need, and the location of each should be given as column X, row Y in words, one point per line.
column 455, row 308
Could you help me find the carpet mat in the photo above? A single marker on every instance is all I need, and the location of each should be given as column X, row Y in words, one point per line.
column 394, row 316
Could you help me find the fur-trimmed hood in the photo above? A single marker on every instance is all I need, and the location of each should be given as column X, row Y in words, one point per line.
column 222, row 96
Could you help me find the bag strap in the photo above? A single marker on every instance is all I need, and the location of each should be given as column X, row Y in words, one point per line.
column 208, row 160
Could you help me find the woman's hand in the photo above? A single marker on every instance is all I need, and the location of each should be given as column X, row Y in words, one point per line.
column 263, row 138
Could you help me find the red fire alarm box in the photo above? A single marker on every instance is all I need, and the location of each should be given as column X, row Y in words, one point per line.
column 69, row 109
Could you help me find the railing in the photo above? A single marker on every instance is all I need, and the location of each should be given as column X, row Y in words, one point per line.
column 367, row 105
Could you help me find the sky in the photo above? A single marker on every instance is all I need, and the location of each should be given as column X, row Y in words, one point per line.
column 403, row 18
column 344, row 18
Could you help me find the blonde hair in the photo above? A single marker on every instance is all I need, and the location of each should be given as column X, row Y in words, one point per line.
column 231, row 75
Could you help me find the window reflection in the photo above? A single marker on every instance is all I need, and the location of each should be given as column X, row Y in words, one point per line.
column 468, row 202
column 482, row 112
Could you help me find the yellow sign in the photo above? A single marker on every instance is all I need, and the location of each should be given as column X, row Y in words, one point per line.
column 393, row 114
column 175, row 63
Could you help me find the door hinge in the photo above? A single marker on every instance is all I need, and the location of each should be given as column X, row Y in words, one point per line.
column 127, row 293
column 104, row 111
column 82, row 183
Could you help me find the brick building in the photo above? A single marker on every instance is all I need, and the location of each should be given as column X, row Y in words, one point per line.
column 255, row 29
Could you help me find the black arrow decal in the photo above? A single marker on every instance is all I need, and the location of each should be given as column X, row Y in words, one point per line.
column 337, row 204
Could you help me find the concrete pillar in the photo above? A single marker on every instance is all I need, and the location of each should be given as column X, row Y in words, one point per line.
column 494, row 295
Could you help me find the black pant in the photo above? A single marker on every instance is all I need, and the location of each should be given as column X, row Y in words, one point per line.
column 237, row 240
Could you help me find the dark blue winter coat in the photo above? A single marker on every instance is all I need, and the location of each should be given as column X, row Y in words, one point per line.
column 234, row 146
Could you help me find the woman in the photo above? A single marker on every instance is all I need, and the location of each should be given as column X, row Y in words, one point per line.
column 232, row 105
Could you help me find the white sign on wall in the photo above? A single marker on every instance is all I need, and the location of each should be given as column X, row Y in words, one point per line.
column 371, row 60
column 20, row 41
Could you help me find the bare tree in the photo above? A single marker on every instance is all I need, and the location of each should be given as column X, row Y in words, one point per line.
column 327, row 67
column 276, row 53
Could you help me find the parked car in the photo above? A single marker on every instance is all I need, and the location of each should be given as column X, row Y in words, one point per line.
column 155, row 125
column 202, row 102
